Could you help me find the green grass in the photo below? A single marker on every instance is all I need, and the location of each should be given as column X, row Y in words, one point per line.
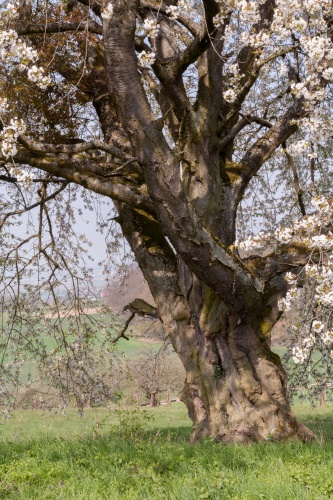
column 93, row 457
column 134, row 346
column 124, row 454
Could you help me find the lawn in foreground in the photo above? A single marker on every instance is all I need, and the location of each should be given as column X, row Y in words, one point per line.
column 107, row 455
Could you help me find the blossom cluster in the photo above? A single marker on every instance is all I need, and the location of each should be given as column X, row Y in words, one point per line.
column 9, row 136
column 285, row 303
column 320, row 333
column 22, row 175
column 146, row 59
column 318, row 337
column 310, row 229
column 4, row 106
column 12, row 9
column 230, row 95
column 298, row 148
column 151, row 27
column 322, row 241
column 256, row 242
column 173, row 11
column 107, row 12
column 322, row 280
column 310, row 89
column 324, row 285
column 36, row 75
column 284, row 235
column 297, row 25
column 12, row 48
column 299, row 354
column 15, row 51
column 183, row 7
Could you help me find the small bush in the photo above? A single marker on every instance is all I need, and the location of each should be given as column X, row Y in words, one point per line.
column 133, row 422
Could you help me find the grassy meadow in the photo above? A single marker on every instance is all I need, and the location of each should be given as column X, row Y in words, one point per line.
column 145, row 454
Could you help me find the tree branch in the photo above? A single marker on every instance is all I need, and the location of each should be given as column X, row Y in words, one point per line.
column 142, row 308
column 218, row 267
column 212, row 8
column 151, row 6
column 246, row 120
column 298, row 190
column 31, row 207
column 265, row 146
column 84, row 173
column 71, row 149
column 280, row 261
column 172, row 91
column 33, row 29
column 189, row 55
column 249, row 82
column 247, row 55
column 121, row 334
column 94, row 5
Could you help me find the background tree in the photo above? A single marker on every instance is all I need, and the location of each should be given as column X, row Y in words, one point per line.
column 154, row 373
column 185, row 114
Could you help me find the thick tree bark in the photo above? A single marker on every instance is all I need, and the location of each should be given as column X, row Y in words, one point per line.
column 153, row 400
column 235, row 388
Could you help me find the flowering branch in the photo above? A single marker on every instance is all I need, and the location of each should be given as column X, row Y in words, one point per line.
column 150, row 6
column 265, row 146
column 34, row 205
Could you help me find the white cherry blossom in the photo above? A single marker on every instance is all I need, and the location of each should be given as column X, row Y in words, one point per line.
column 107, row 12
column 146, row 58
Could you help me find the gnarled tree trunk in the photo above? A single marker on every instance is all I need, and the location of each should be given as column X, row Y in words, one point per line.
column 235, row 387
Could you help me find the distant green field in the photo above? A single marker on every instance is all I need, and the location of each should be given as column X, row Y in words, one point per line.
column 134, row 346
column 130, row 348
column 102, row 456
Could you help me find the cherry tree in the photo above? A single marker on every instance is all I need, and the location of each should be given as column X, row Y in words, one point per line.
column 208, row 125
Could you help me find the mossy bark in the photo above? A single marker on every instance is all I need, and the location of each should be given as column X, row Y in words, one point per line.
column 235, row 388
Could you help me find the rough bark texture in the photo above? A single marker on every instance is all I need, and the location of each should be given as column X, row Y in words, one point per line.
column 235, row 388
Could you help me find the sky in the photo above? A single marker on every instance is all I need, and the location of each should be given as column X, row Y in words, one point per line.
column 85, row 225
